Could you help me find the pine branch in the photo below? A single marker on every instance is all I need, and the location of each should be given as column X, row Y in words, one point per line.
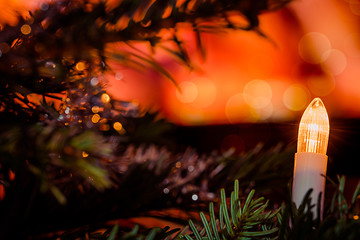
column 341, row 217
column 43, row 60
column 239, row 221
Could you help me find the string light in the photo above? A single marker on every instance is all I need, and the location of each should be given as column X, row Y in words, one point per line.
column 117, row 126
column 95, row 118
column 311, row 160
column 314, row 129
column 95, row 109
column 80, row 66
column 25, row 29
column 105, row 98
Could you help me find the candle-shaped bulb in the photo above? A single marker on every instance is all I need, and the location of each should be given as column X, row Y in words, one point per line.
column 314, row 129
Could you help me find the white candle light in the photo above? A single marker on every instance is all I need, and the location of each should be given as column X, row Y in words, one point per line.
column 310, row 159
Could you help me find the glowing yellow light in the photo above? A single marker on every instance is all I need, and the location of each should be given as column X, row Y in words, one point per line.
column 356, row 217
column 95, row 109
column 117, row 126
column 105, row 98
column 85, row 154
column 25, row 29
column 95, row 118
column 80, row 66
column 314, row 129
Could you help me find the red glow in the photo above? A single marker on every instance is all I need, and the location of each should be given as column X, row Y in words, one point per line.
column 311, row 49
column 304, row 56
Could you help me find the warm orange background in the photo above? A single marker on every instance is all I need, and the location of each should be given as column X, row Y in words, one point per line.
column 312, row 50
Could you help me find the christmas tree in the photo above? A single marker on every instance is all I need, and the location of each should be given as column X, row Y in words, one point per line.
column 77, row 163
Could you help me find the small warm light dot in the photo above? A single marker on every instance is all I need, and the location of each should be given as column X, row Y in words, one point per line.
column 188, row 93
column 105, row 98
column 80, row 66
column 166, row 190
column 95, row 109
column 85, row 154
column 194, row 197
column 295, row 97
column 178, row 165
column 356, row 217
column 191, row 168
column 117, row 126
column 95, row 118
column 25, row 29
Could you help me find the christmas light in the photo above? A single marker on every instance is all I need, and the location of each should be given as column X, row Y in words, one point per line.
column 311, row 160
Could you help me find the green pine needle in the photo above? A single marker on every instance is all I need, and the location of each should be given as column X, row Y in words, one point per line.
column 246, row 222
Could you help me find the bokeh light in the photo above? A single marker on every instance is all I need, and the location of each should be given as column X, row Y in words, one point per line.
column 334, row 61
column 206, row 92
column 319, row 55
column 80, row 66
column 237, row 109
column 257, row 93
column 95, row 109
column 95, row 118
column 187, row 93
column 117, row 126
column 25, row 29
column 296, row 97
column 312, row 46
column 105, row 98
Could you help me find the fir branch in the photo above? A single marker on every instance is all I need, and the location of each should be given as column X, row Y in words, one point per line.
column 252, row 221
column 44, row 60
column 340, row 221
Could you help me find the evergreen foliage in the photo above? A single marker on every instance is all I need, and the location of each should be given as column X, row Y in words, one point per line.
column 65, row 170
column 241, row 221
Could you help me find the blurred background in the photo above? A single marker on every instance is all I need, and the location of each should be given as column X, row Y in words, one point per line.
column 252, row 87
